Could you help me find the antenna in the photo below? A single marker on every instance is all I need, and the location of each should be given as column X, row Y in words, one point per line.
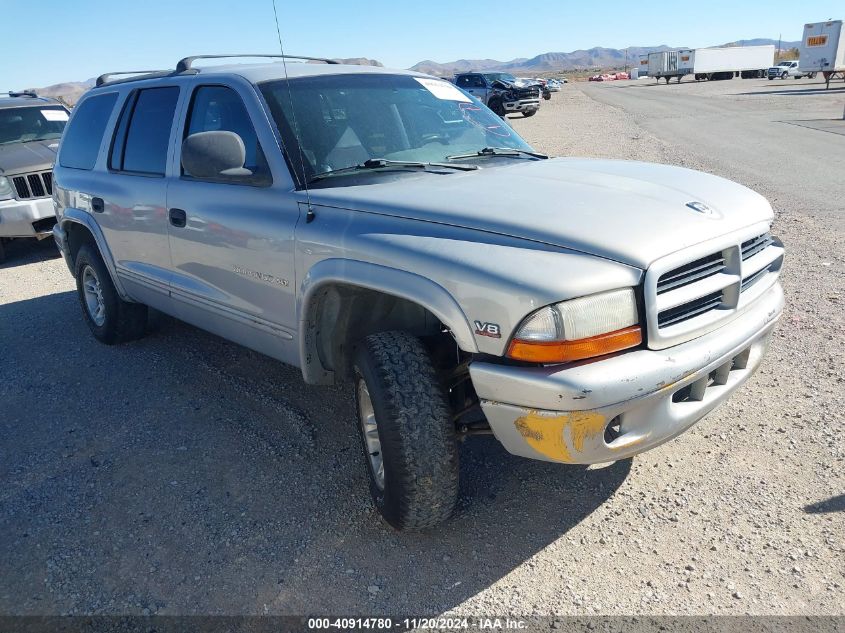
column 309, row 215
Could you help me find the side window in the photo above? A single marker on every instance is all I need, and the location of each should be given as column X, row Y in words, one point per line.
column 143, row 134
column 218, row 108
column 82, row 139
column 478, row 82
column 464, row 82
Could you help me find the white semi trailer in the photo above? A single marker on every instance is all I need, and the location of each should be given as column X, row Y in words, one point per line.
column 724, row 62
column 823, row 49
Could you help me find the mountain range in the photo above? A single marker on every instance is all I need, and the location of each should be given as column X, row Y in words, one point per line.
column 597, row 58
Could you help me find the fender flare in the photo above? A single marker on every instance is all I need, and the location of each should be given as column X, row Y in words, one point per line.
column 77, row 216
column 391, row 281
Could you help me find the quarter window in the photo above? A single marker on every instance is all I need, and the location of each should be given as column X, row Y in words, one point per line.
column 218, row 108
column 143, row 134
column 82, row 139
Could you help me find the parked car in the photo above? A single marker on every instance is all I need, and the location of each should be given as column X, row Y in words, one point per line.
column 553, row 85
column 786, row 69
column 382, row 229
column 30, row 129
column 501, row 92
column 620, row 76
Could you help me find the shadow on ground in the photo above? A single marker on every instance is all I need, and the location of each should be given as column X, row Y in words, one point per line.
column 182, row 474
column 28, row 251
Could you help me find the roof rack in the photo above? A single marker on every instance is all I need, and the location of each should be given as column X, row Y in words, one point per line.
column 186, row 64
column 21, row 93
column 106, row 77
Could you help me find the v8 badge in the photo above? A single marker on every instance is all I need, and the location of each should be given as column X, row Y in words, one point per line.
column 488, row 329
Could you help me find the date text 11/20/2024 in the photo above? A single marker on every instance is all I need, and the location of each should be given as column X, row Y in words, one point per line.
column 437, row 624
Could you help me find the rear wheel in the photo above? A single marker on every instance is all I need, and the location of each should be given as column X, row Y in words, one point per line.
column 407, row 431
column 110, row 318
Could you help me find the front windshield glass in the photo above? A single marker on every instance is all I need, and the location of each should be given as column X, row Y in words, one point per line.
column 338, row 121
column 500, row 77
column 33, row 123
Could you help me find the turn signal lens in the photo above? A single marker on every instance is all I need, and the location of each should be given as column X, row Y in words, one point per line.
column 568, row 351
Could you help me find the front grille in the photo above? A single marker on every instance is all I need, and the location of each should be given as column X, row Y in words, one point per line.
column 36, row 185
column 688, row 273
column 753, row 246
column 689, row 298
column 689, row 310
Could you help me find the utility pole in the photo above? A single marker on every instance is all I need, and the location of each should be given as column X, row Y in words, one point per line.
column 778, row 55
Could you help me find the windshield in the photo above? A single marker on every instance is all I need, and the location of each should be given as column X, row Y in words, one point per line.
column 33, row 123
column 338, row 121
column 500, row 77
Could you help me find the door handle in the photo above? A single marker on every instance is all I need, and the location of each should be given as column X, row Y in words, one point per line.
column 178, row 217
column 97, row 205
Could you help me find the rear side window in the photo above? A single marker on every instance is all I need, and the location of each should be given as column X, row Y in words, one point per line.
column 143, row 135
column 218, row 108
column 82, row 139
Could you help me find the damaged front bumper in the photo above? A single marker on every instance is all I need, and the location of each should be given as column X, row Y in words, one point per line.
column 605, row 410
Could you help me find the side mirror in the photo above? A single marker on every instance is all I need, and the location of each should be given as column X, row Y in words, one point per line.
column 214, row 154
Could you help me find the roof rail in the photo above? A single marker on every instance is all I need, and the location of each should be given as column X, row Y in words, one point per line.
column 186, row 63
column 21, row 93
column 105, row 77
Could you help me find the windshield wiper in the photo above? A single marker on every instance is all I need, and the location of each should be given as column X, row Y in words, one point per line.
column 498, row 151
column 382, row 163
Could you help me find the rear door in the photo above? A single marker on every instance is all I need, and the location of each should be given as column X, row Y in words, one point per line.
column 232, row 238
column 131, row 207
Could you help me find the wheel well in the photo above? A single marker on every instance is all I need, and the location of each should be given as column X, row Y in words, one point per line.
column 77, row 235
column 342, row 315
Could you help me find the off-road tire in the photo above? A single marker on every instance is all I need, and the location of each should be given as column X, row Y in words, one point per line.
column 124, row 321
column 495, row 104
column 528, row 113
column 415, row 428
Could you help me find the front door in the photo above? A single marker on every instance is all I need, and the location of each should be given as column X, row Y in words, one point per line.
column 232, row 236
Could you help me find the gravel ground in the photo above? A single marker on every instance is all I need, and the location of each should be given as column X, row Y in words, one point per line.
column 182, row 474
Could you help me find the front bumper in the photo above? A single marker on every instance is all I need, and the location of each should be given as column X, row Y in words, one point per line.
column 521, row 106
column 605, row 410
column 26, row 218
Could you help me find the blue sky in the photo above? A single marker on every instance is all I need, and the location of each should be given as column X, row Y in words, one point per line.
column 90, row 37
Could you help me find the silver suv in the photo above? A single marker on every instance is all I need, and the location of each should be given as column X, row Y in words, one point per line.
column 382, row 228
column 30, row 128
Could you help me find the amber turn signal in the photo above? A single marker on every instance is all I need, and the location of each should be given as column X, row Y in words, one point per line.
column 568, row 351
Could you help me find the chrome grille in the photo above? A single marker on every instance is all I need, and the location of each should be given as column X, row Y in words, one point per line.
column 691, row 292
column 36, row 185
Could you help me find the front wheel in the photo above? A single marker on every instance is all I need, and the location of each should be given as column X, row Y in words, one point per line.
column 528, row 113
column 784, row 75
column 110, row 318
column 407, row 431
column 497, row 107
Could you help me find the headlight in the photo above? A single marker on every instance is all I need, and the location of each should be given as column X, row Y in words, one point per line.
column 579, row 328
column 6, row 189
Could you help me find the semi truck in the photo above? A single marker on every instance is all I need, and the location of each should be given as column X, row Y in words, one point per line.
column 724, row 62
column 823, row 49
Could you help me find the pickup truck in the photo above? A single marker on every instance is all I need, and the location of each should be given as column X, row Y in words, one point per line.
column 789, row 68
column 501, row 92
column 380, row 228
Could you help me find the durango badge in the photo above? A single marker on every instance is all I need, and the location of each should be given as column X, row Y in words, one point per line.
column 488, row 329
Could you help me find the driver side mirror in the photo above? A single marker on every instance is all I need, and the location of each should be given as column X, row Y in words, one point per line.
column 214, row 155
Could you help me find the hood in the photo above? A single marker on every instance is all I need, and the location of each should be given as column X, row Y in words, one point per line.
column 630, row 212
column 16, row 158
